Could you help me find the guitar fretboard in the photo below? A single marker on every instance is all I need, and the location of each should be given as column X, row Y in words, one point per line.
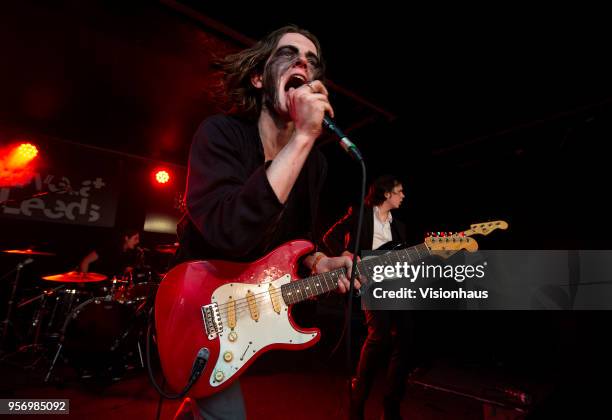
column 300, row 290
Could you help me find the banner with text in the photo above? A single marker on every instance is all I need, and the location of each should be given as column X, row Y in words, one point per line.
column 72, row 184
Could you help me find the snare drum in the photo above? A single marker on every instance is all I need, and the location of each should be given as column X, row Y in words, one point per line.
column 141, row 284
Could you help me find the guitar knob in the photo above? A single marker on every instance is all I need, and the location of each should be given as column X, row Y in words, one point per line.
column 228, row 356
column 233, row 336
column 219, row 376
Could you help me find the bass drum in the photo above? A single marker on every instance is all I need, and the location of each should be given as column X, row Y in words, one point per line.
column 100, row 334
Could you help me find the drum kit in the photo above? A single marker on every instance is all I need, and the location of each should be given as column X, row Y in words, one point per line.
column 94, row 323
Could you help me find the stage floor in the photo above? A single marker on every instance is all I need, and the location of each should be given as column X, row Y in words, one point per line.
column 295, row 395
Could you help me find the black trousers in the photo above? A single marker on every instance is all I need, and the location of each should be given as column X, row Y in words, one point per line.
column 390, row 338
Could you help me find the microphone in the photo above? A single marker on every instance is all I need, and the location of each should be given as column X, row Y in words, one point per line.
column 346, row 144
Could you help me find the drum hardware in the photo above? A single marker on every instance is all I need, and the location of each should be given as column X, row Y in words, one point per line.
column 65, row 302
column 43, row 295
column 109, row 292
column 98, row 334
column 37, row 320
column 167, row 248
column 35, row 348
column 11, row 302
column 137, row 285
column 89, row 320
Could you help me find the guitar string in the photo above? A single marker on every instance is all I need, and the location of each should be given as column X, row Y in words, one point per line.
column 262, row 299
column 227, row 307
column 259, row 294
column 240, row 309
column 239, row 305
column 244, row 302
column 259, row 297
column 239, row 312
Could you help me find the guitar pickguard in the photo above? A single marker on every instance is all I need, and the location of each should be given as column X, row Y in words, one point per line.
column 260, row 318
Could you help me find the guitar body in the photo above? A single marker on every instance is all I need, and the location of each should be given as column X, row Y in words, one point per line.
column 235, row 310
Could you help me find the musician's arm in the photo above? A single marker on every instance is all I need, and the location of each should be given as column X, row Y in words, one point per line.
column 321, row 263
column 89, row 258
column 231, row 209
column 337, row 238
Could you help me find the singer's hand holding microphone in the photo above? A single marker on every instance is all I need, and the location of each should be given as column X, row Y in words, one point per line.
column 307, row 106
column 310, row 110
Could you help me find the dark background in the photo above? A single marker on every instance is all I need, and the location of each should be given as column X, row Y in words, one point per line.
column 484, row 114
column 484, row 117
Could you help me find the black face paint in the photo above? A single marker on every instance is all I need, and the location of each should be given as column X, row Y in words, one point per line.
column 282, row 60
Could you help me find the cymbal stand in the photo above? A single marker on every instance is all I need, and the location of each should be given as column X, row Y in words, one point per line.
column 9, row 312
column 36, row 326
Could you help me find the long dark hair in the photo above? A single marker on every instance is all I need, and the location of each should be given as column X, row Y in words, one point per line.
column 235, row 92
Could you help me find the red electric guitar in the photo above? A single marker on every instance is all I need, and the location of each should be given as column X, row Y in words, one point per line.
column 234, row 312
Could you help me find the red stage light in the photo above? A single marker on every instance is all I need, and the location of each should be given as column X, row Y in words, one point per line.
column 16, row 166
column 22, row 155
column 162, row 177
column 27, row 151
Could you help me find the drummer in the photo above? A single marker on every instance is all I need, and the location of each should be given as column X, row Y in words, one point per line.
column 117, row 258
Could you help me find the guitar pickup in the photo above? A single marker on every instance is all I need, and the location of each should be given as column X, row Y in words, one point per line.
column 212, row 320
column 253, row 309
column 275, row 298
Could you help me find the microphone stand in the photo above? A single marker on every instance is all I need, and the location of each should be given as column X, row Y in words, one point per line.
column 349, row 310
column 354, row 152
column 11, row 302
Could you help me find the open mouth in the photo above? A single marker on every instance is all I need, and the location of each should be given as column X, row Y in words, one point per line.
column 295, row 81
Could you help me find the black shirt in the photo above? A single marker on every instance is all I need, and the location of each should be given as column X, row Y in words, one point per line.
column 232, row 211
column 340, row 236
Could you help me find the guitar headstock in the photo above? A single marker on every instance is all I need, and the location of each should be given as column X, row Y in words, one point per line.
column 445, row 246
column 485, row 228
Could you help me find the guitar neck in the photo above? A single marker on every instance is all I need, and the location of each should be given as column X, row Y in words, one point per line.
column 300, row 290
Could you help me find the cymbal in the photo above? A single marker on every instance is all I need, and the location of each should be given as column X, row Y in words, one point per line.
column 27, row 252
column 76, row 277
column 167, row 248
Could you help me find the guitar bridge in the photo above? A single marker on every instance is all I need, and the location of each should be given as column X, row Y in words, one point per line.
column 212, row 320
